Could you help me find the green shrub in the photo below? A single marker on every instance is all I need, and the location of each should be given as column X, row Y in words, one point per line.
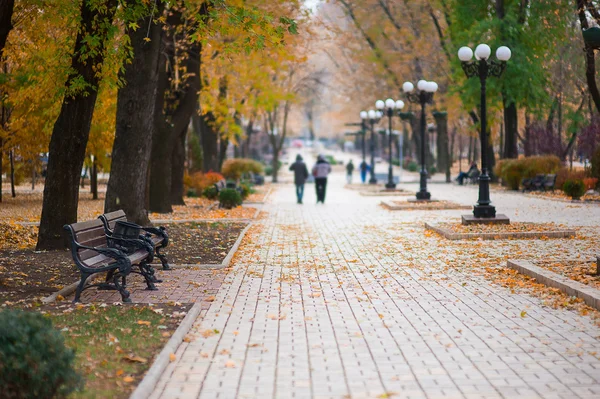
column 330, row 159
column 34, row 361
column 191, row 193
column 268, row 170
column 246, row 190
column 565, row 174
column 574, row 188
column 412, row 166
column 237, row 167
column 230, row 198
column 432, row 170
column 210, row 193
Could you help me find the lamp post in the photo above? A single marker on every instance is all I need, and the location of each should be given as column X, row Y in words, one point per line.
column 374, row 117
column 423, row 96
column 389, row 105
column 483, row 67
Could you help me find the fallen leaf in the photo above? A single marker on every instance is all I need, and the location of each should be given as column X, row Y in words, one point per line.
column 134, row 359
column 172, row 357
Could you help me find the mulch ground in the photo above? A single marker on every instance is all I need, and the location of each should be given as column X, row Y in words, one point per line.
column 28, row 275
column 513, row 227
column 579, row 270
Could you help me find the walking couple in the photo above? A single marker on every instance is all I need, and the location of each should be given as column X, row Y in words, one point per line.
column 320, row 172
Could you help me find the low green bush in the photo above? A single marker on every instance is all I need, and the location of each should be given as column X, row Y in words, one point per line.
column 268, row 170
column 412, row 166
column 34, row 361
column 246, row 189
column 574, row 188
column 330, row 159
column 210, row 193
column 230, row 198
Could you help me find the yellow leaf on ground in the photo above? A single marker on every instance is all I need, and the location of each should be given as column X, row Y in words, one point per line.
column 135, row 359
column 143, row 322
column 523, row 313
column 128, row 379
column 172, row 357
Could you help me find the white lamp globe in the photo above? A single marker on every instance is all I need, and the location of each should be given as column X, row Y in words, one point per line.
column 433, row 87
column 465, row 54
column 422, row 84
column 379, row 104
column 379, row 114
column 389, row 103
column 482, row 52
column 399, row 104
column 407, row 87
column 372, row 114
column 503, row 53
column 363, row 114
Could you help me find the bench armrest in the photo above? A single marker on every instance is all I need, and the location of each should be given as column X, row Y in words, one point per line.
column 121, row 258
column 160, row 231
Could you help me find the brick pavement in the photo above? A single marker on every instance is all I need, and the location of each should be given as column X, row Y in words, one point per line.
column 348, row 300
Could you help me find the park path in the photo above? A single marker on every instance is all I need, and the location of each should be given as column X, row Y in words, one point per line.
column 348, row 300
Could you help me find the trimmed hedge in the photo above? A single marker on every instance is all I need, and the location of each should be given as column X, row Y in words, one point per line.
column 235, row 168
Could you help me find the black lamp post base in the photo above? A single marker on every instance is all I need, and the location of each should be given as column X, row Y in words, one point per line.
column 372, row 180
column 423, row 195
column 484, row 211
column 498, row 219
column 390, row 186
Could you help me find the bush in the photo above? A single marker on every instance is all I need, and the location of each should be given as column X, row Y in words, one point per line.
column 199, row 182
column 230, row 198
column 330, row 159
column 412, row 166
column 210, row 192
column 246, row 190
column 268, row 170
column 432, row 170
column 574, row 188
column 35, row 363
column 565, row 174
column 513, row 171
column 237, row 167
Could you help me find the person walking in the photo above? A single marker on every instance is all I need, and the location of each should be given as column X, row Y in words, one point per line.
column 349, row 170
column 364, row 169
column 300, row 175
column 320, row 172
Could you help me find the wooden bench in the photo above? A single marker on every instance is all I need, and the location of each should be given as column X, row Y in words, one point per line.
column 473, row 177
column 539, row 182
column 94, row 252
column 156, row 235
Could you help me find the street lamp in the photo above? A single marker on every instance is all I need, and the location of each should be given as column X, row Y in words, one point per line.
column 374, row 117
column 483, row 67
column 423, row 96
column 389, row 105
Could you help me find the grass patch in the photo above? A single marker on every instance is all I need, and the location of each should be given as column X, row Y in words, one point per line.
column 114, row 345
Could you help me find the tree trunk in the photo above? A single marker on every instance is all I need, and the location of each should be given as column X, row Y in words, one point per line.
column 210, row 141
column 590, row 59
column 528, row 145
column 470, row 151
column 134, row 128
column 94, row 180
column 246, row 146
column 12, row 173
column 275, row 166
column 443, row 151
column 178, row 169
column 223, row 144
column 72, row 128
column 6, row 11
column 1, row 165
column 510, row 130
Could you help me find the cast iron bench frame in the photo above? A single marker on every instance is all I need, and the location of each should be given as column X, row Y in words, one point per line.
column 157, row 236
column 94, row 252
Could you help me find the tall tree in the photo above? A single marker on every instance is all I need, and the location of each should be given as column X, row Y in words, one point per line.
column 71, row 130
column 135, row 109
column 6, row 12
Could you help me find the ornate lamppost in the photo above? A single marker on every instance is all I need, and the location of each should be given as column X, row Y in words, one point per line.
column 374, row 117
column 423, row 96
column 363, row 129
column 483, row 67
column 389, row 105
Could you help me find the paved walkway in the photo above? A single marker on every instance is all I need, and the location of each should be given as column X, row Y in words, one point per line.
column 348, row 300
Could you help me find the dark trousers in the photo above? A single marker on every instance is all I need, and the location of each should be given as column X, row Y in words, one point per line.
column 299, row 192
column 321, row 185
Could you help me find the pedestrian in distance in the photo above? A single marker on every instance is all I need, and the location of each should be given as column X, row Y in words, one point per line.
column 320, row 171
column 300, row 175
column 364, row 169
column 349, row 170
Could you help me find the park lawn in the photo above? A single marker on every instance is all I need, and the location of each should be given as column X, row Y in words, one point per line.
column 115, row 345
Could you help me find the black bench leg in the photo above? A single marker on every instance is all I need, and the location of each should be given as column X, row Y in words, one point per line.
column 107, row 285
column 80, row 287
column 148, row 272
column 163, row 260
column 120, row 287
